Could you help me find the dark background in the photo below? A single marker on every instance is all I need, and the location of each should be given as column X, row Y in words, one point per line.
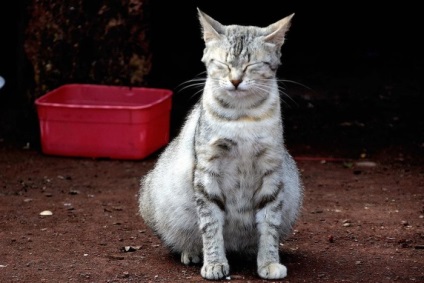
column 340, row 37
column 352, row 63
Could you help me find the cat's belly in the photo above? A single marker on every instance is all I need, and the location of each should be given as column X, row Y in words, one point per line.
column 238, row 186
column 240, row 233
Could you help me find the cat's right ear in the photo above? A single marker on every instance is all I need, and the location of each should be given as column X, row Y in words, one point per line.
column 212, row 29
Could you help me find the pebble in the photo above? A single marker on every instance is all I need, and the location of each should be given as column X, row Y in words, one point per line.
column 46, row 213
column 347, row 223
column 130, row 248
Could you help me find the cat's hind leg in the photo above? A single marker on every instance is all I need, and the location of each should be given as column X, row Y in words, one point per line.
column 188, row 257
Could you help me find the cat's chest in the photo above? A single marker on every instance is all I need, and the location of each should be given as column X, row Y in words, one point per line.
column 238, row 150
column 238, row 157
column 243, row 140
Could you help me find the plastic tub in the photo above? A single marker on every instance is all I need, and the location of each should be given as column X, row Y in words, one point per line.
column 102, row 121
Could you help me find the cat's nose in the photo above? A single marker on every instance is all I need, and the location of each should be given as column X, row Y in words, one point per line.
column 235, row 83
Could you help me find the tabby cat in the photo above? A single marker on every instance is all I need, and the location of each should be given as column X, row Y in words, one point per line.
column 226, row 183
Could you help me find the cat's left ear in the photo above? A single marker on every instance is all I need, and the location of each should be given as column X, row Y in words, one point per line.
column 210, row 27
column 277, row 31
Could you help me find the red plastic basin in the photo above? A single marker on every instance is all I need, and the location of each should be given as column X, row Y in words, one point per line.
column 102, row 121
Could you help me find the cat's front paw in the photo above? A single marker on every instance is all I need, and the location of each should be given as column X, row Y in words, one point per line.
column 215, row 271
column 272, row 271
column 189, row 257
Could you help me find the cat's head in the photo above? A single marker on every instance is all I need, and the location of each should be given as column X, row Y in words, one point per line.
column 242, row 59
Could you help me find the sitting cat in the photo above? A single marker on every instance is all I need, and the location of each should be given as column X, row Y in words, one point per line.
column 226, row 183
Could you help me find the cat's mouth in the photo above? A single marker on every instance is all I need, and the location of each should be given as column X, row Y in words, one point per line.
column 237, row 91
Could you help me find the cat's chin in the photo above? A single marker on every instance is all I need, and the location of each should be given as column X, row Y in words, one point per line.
column 238, row 93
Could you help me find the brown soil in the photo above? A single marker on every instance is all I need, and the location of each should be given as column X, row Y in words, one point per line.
column 362, row 221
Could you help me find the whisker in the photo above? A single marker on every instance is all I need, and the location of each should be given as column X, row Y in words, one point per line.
column 284, row 94
column 294, row 82
column 184, row 84
column 196, row 83
column 266, row 87
column 193, row 85
column 263, row 88
column 196, row 78
column 197, row 92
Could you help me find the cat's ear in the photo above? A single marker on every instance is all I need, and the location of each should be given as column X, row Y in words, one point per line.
column 212, row 29
column 276, row 32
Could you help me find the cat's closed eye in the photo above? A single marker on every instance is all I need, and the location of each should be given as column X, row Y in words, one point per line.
column 220, row 65
column 257, row 67
column 218, row 68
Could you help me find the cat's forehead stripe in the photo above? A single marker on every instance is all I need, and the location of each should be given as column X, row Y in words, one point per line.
column 239, row 48
column 238, row 45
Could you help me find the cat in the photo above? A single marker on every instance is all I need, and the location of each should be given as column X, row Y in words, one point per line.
column 227, row 183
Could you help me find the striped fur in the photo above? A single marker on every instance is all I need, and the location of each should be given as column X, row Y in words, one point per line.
column 226, row 182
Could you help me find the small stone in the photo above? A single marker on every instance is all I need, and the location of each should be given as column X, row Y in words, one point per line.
column 127, row 249
column 346, row 221
column 46, row 213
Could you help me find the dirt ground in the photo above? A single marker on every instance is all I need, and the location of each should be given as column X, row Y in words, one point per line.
column 362, row 220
